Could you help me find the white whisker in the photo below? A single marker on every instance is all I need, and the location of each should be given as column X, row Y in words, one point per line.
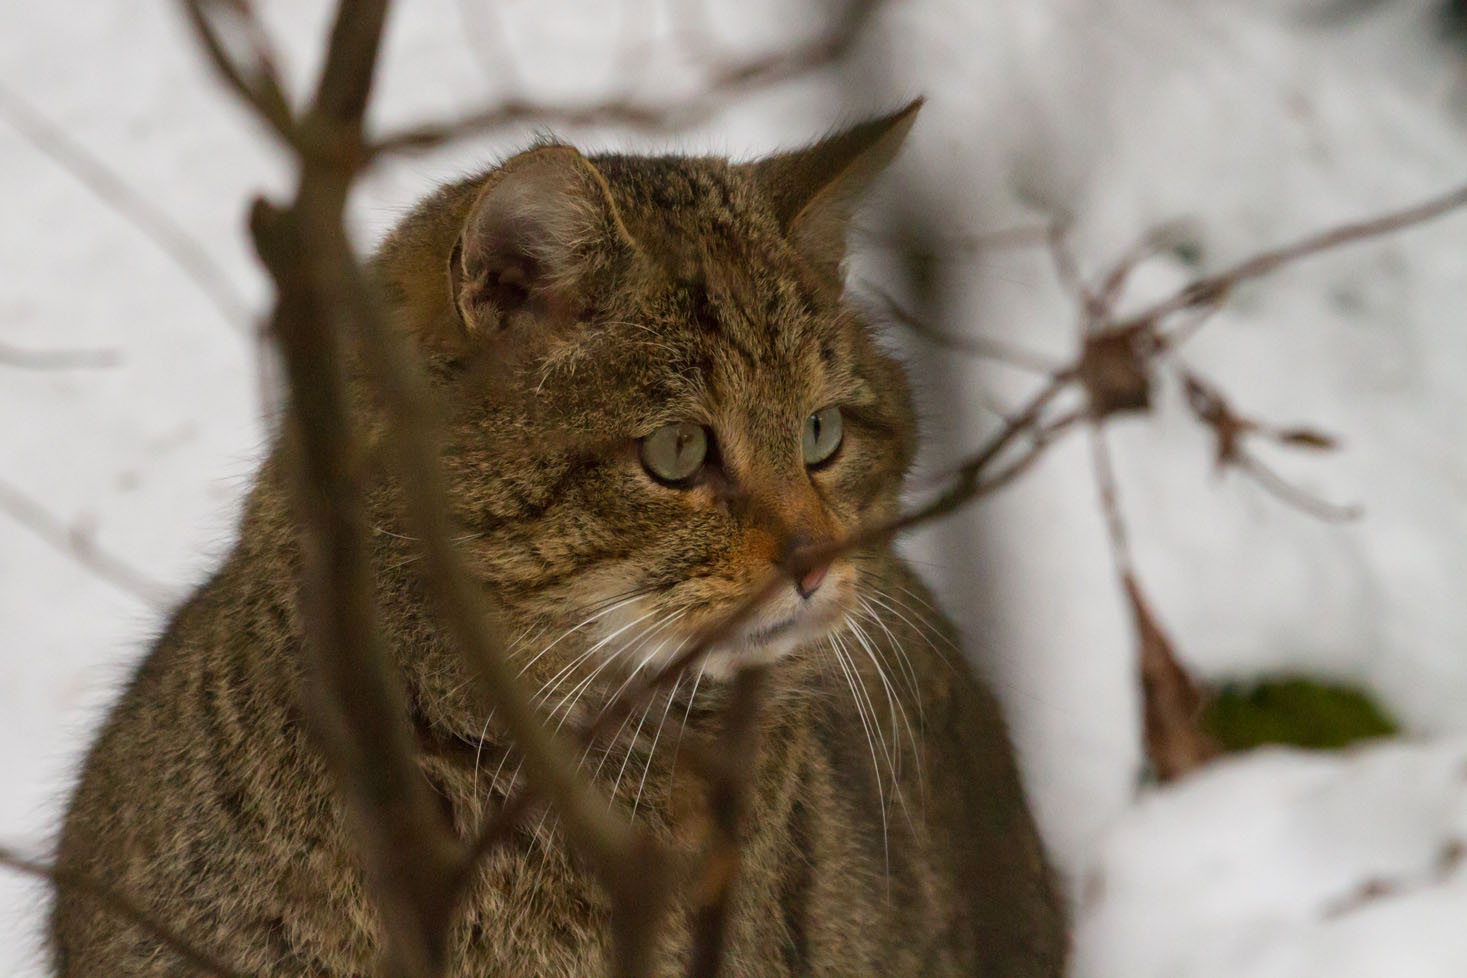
column 909, row 671
column 652, row 751
column 687, row 714
column 898, row 711
column 848, row 667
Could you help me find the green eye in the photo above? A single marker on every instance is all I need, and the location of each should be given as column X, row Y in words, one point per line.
column 822, row 436
column 675, row 452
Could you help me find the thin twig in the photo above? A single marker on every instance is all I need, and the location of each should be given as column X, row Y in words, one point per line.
column 1211, row 289
column 999, row 239
column 1291, row 495
column 258, row 84
column 985, row 347
column 1110, row 500
column 13, row 356
column 81, row 548
column 489, row 47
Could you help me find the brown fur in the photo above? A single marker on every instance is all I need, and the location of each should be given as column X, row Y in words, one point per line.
column 567, row 307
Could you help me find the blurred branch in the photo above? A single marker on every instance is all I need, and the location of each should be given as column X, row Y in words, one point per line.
column 13, row 356
column 985, row 347
column 189, row 254
column 118, row 905
column 1212, row 289
column 1230, row 430
column 725, row 79
column 489, row 46
column 1114, row 370
column 356, row 707
column 729, row 774
column 223, row 29
column 1000, row 239
column 81, row 547
column 1171, row 702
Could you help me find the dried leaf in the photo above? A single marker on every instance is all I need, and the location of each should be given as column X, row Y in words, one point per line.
column 1172, row 704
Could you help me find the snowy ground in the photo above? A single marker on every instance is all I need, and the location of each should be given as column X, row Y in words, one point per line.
column 1251, row 122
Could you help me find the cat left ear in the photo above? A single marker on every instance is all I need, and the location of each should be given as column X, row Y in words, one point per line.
column 539, row 227
column 815, row 190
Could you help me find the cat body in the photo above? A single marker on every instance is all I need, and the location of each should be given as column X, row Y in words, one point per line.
column 652, row 392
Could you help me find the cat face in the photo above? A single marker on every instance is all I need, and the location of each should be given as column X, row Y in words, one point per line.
column 659, row 394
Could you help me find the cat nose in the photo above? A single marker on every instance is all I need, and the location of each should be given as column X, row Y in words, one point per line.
column 808, row 582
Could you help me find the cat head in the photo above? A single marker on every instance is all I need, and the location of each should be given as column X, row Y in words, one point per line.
column 656, row 391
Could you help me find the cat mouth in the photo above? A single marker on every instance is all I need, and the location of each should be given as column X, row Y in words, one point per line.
column 767, row 633
column 804, row 624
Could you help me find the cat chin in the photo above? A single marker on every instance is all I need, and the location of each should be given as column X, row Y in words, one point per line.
column 775, row 636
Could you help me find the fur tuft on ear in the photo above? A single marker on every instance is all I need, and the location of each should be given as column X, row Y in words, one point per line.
column 531, row 240
column 814, row 190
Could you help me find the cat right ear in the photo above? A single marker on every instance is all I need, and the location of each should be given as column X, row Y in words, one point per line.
column 532, row 239
column 814, row 190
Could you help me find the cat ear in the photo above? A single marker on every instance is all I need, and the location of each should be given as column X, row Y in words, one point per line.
column 531, row 239
column 814, row 190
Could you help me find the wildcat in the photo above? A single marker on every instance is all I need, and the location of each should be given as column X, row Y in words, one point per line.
column 652, row 390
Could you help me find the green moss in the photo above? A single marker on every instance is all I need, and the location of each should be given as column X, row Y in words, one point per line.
column 1294, row 710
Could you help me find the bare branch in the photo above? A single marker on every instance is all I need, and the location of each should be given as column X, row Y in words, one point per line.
column 1171, row 702
column 1067, row 269
column 417, row 870
column 350, row 65
column 1230, row 431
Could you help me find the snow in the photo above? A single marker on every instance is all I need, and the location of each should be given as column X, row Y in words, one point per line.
column 1288, row 865
column 1251, row 123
